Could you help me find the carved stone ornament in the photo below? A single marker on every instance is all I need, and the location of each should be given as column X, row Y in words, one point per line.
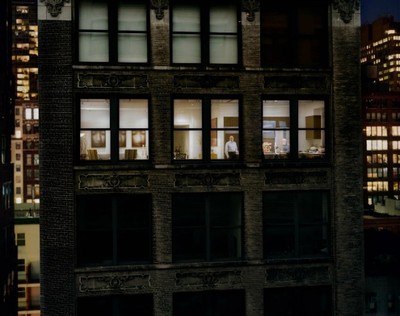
column 54, row 6
column 346, row 8
column 250, row 7
column 159, row 6
column 111, row 283
column 208, row 279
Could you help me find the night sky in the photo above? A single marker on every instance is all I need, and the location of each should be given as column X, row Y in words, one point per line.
column 373, row 9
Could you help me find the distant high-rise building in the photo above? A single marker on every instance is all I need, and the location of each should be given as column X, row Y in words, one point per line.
column 200, row 157
column 380, row 59
column 8, row 250
column 25, row 143
column 380, row 54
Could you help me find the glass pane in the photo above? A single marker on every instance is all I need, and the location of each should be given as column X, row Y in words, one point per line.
column 133, row 144
column 223, row 49
column 131, row 17
column 188, row 210
column 313, row 240
column 279, row 241
column 225, row 243
column 132, row 48
column 278, row 111
column 93, row 47
column 133, row 113
column 223, row 19
column 311, row 114
column 224, row 144
column 93, row 15
column 225, row 210
column 189, row 244
column 313, row 207
column 95, row 145
column 314, row 147
column 186, row 19
column 95, row 113
column 188, row 144
column 225, row 108
column 279, row 207
column 186, row 48
column 187, row 114
column 99, row 306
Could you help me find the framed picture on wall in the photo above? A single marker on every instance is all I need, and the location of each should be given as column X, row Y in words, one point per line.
column 138, row 138
column 98, row 139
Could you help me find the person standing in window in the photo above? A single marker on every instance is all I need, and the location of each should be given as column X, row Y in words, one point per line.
column 231, row 148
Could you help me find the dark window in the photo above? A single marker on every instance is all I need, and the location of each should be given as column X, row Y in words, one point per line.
column 206, row 129
column 209, row 303
column 207, row 227
column 294, row 34
column 20, row 239
column 296, row 224
column 113, row 230
column 204, row 32
column 298, row 301
column 294, row 129
column 114, row 129
column 117, row 305
column 112, row 31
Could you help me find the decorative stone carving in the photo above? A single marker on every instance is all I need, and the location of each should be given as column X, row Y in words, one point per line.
column 54, row 6
column 208, row 279
column 315, row 177
column 113, row 181
column 113, row 282
column 159, row 6
column 298, row 275
column 297, row 82
column 346, row 8
column 208, row 179
column 107, row 80
column 206, row 81
column 250, row 7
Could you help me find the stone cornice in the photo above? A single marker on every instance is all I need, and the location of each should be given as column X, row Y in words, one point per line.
column 54, row 6
column 346, row 8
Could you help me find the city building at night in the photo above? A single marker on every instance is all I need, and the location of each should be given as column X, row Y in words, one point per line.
column 8, row 249
column 380, row 60
column 200, row 155
column 25, row 142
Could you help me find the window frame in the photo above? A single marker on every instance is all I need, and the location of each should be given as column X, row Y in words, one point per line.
column 207, row 129
column 113, row 228
column 321, row 155
column 295, row 226
column 114, row 130
column 112, row 33
column 207, row 227
column 205, row 33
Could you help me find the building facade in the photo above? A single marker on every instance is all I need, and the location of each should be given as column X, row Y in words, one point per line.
column 8, row 250
column 200, row 156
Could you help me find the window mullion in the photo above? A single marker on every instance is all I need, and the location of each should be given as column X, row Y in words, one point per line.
column 208, row 229
column 294, row 128
column 113, row 30
column 114, row 210
column 114, row 126
column 205, row 34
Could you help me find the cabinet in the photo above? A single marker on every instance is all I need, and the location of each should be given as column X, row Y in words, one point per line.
column 313, row 121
